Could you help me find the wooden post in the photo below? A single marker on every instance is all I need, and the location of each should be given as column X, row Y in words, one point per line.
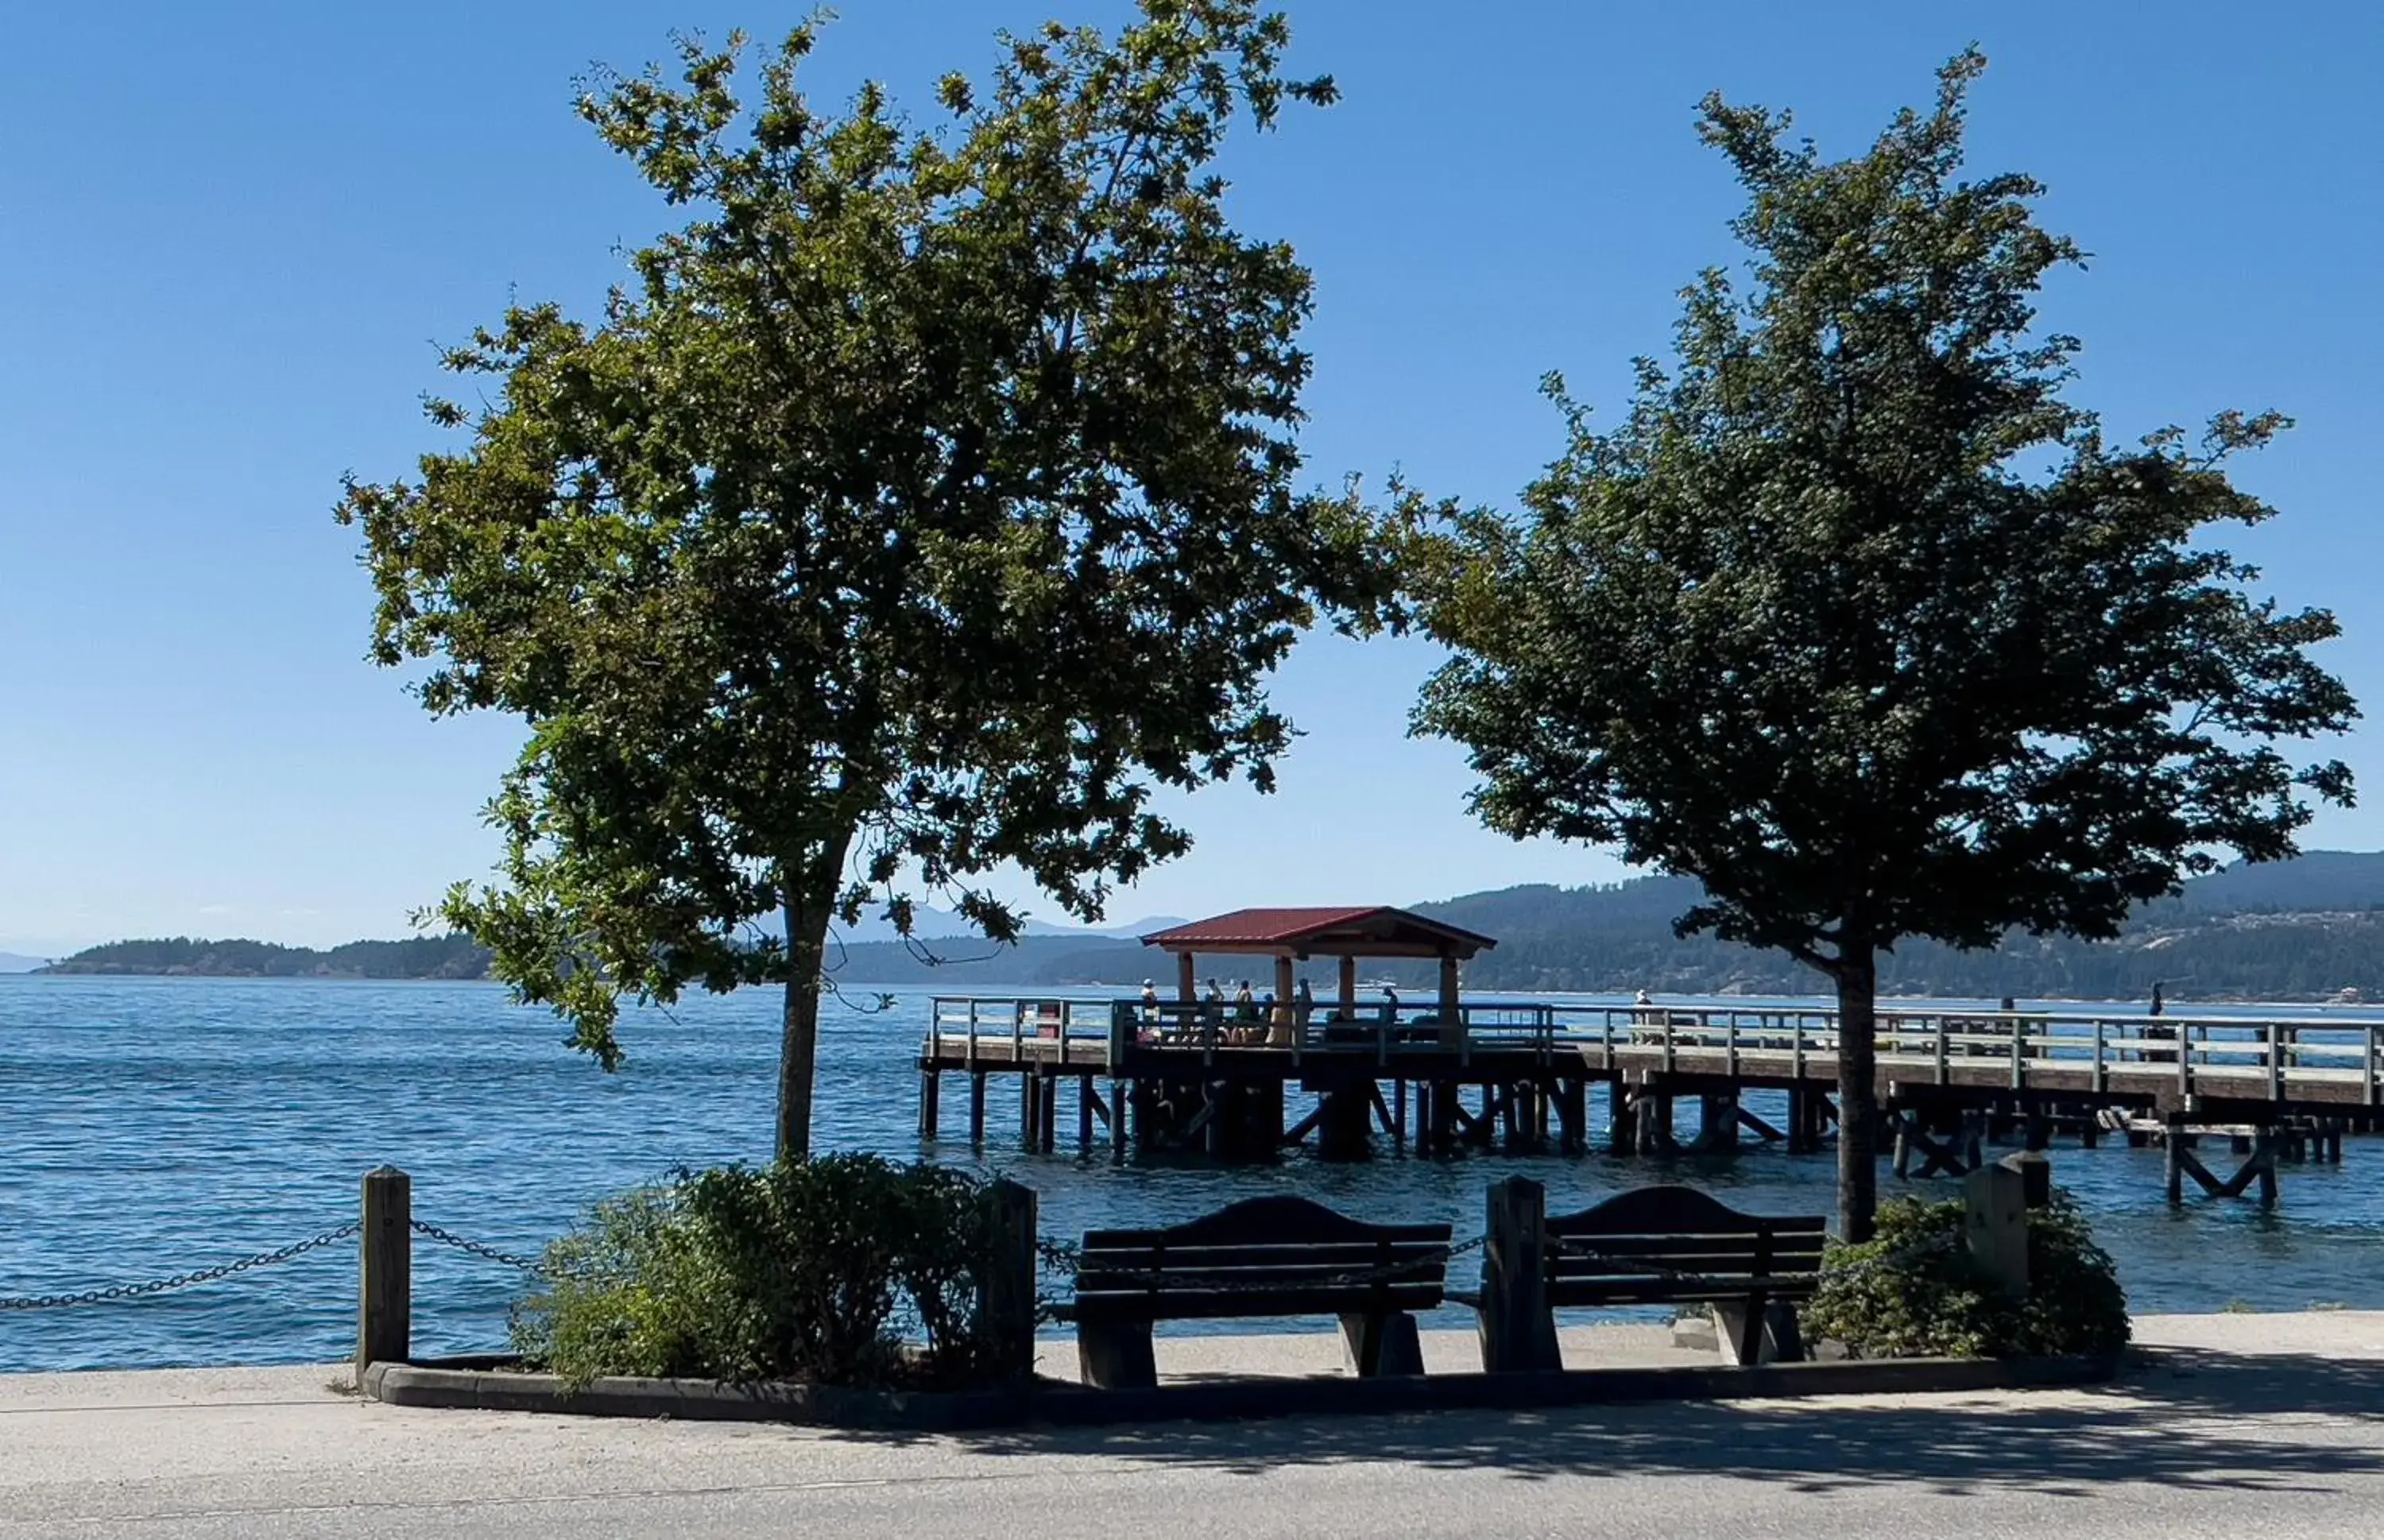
column 385, row 1277
column 1117, row 1120
column 930, row 1083
column 1010, row 1282
column 1452, row 1019
column 1517, row 1331
column 2173, row 1147
column 977, row 1107
column 2263, row 1154
column 1186, row 988
column 1349, row 988
column 1049, row 1111
column 1085, row 1115
column 1995, row 1227
column 1398, row 1111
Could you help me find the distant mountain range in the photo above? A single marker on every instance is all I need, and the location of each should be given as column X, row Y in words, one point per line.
column 2303, row 929
column 17, row 963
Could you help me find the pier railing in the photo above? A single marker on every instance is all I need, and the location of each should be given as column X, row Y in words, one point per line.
column 2099, row 1053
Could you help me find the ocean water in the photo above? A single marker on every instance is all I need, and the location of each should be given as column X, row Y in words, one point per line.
column 150, row 1127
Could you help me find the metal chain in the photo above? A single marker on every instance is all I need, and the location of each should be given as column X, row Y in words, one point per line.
column 180, row 1280
column 448, row 1238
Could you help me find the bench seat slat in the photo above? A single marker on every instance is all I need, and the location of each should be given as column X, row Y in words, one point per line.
column 1659, row 1291
column 1809, row 1241
column 1140, row 1305
column 1173, row 1257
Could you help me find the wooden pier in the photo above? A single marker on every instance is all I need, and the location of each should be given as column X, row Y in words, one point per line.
column 1528, row 1077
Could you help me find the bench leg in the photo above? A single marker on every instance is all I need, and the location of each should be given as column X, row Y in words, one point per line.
column 1760, row 1331
column 1115, row 1355
column 1379, row 1345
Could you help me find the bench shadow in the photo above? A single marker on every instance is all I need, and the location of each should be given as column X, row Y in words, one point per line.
column 2173, row 1418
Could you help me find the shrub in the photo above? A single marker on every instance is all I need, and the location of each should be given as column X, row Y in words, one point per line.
column 807, row 1270
column 1912, row 1290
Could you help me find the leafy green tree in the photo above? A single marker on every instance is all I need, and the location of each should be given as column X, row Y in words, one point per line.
column 1855, row 618
column 925, row 501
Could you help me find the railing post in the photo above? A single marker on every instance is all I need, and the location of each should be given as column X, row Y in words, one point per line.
column 2185, row 1063
column 1730, row 1045
column 1944, row 1050
column 1010, row 1280
column 2368, row 1079
column 2102, row 1075
column 971, row 1039
column 2018, row 1074
column 2276, row 1062
column 1517, row 1331
column 385, row 1277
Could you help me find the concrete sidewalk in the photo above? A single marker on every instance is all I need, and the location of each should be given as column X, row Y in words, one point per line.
column 2267, row 1424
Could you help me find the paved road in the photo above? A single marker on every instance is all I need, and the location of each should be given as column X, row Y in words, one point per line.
column 2285, row 1442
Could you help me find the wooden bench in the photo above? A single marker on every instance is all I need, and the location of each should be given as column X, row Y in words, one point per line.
column 1677, row 1246
column 1261, row 1257
column 1656, row 1246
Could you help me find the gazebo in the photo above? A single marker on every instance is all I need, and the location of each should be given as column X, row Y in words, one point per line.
column 1293, row 935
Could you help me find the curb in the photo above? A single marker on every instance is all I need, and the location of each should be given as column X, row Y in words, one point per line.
column 479, row 1384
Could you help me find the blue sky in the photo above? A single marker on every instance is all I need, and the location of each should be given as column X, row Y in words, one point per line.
column 234, row 235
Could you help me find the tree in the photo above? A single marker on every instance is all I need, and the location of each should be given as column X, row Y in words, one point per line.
column 1856, row 620
column 924, row 502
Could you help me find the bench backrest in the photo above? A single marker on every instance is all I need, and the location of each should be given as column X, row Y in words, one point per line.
column 1264, row 1256
column 1679, row 1246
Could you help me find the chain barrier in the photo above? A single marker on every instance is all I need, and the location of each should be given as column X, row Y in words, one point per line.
column 180, row 1280
column 477, row 1248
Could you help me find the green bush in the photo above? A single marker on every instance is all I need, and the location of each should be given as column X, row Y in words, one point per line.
column 1912, row 1290
column 846, row 1269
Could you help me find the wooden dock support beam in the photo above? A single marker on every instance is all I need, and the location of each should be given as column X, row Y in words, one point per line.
column 929, row 1083
column 977, row 1107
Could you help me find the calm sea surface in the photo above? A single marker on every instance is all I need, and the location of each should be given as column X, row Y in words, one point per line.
column 153, row 1126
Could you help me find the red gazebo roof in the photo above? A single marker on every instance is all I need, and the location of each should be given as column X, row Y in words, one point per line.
column 1369, row 931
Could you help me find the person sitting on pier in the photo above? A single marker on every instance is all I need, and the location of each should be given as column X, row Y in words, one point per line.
column 1149, row 1000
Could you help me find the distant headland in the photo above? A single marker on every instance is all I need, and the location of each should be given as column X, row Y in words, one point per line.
column 2307, row 929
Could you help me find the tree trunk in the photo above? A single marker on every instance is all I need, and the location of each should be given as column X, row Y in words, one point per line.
column 810, row 886
column 1858, row 974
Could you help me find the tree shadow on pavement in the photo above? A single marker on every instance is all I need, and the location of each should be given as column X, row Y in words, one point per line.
column 2173, row 1418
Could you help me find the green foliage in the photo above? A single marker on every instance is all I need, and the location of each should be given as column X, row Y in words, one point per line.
column 809, row 1270
column 925, row 501
column 1912, row 1291
column 1855, row 618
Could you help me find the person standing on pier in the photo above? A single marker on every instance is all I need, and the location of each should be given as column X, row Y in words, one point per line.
column 2156, row 1031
